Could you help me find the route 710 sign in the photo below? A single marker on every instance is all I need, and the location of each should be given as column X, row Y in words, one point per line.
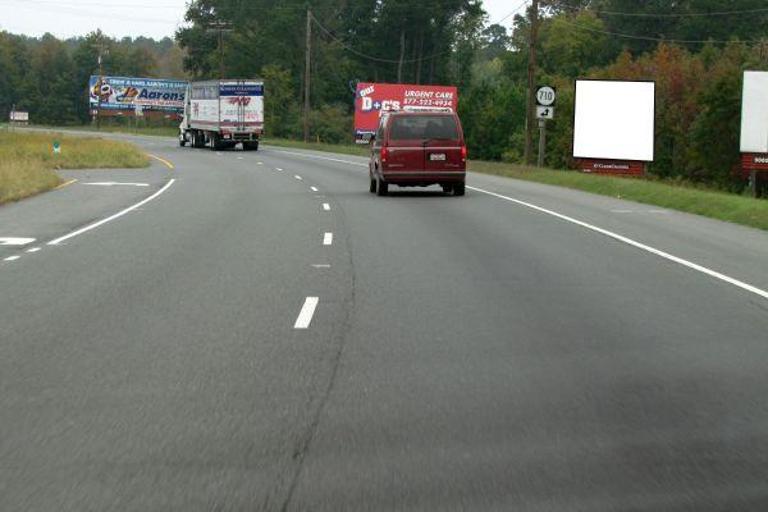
column 545, row 101
column 545, row 96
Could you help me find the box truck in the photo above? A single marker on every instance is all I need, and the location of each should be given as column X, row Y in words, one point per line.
column 222, row 113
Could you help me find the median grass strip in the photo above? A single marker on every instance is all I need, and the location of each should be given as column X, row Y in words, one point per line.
column 709, row 203
column 28, row 164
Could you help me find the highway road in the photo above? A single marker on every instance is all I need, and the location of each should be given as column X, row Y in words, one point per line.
column 255, row 331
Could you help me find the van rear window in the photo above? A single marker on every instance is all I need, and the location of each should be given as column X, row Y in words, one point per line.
column 424, row 127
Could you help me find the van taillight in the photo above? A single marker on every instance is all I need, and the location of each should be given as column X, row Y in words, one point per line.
column 463, row 153
column 384, row 153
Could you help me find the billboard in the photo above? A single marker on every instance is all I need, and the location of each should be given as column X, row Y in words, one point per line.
column 371, row 99
column 754, row 113
column 18, row 116
column 614, row 120
column 124, row 93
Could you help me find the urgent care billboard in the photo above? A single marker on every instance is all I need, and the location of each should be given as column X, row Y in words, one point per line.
column 372, row 99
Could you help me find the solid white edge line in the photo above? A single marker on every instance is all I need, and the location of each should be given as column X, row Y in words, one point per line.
column 328, row 239
column 11, row 258
column 647, row 248
column 326, row 207
column 318, row 157
column 306, row 313
column 112, row 217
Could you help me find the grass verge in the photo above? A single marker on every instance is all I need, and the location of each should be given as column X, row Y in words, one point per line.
column 28, row 164
column 709, row 203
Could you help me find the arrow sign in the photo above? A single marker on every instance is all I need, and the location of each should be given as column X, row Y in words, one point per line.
column 15, row 241
column 545, row 112
column 116, row 184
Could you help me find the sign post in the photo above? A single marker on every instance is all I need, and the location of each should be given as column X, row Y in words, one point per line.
column 545, row 110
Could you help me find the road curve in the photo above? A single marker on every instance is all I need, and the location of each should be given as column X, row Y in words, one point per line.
column 264, row 334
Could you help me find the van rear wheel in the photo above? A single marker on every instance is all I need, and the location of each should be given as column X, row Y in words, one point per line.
column 372, row 186
column 382, row 187
column 459, row 189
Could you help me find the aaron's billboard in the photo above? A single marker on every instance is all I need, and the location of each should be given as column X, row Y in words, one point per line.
column 117, row 93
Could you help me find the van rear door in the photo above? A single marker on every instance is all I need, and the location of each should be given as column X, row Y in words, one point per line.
column 442, row 144
column 405, row 145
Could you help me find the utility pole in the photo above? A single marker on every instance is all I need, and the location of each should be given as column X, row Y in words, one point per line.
column 529, row 116
column 307, row 73
column 103, row 50
column 221, row 27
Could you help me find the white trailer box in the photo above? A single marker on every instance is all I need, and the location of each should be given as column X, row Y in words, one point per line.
column 614, row 120
column 222, row 113
column 754, row 113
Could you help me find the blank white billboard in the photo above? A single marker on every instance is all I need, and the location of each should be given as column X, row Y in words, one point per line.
column 754, row 113
column 614, row 120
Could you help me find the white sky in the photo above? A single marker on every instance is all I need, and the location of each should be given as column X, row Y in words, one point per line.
column 119, row 18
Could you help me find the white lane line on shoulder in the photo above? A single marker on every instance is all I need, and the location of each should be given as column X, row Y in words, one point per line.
column 313, row 189
column 112, row 217
column 326, row 207
column 318, row 157
column 306, row 313
column 321, row 265
column 298, row 177
column 34, row 249
column 639, row 245
column 12, row 240
column 12, row 258
column 328, row 239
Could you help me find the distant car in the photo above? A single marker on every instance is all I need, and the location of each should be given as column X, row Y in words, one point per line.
column 418, row 149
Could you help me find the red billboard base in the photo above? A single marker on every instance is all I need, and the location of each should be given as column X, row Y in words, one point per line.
column 754, row 162
column 612, row 167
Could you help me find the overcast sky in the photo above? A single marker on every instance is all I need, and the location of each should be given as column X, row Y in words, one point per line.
column 118, row 18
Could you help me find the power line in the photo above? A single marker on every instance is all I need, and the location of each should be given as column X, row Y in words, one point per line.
column 649, row 38
column 396, row 61
column 682, row 14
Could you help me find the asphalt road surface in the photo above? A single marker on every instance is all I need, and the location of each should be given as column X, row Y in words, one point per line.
column 255, row 331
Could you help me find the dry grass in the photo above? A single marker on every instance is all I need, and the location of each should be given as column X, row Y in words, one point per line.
column 28, row 164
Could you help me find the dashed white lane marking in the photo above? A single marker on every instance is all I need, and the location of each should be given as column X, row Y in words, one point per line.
column 12, row 240
column 306, row 313
column 11, row 258
column 328, row 239
column 321, row 265
column 278, row 169
column 115, row 184
column 112, row 217
column 647, row 248
column 240, row 158
column 259, row 163
column 313, row 189
column 326, row 207
column 298, row 177
column 34, row 249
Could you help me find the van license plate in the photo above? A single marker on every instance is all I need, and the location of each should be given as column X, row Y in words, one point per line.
column 437, row 157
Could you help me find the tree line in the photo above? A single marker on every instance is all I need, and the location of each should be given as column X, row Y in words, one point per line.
column 695, row 50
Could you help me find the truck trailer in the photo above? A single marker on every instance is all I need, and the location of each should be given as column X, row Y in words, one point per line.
column 222, row 113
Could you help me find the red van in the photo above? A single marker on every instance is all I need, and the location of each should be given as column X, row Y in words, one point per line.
column 417, row 149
